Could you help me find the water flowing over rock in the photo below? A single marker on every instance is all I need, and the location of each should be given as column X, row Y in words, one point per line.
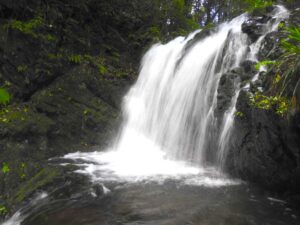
column 187, row 119
column 180, row 113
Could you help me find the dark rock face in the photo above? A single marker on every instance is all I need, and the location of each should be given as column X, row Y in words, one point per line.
column 67, row 116
column 270, row 47
column 226, row 91
column 265, row 148
column 249, row 69
column 67, row 81
column 229, row 83
column 254, row 27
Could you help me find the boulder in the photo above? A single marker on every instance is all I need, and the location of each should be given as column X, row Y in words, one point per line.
column 270, row 47
column 254, row 27
column 226, row 90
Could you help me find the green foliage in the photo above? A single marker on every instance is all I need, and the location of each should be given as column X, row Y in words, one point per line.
column 75, row 59
column 31, row 27
column 22, row 170
column 43, row 177
column 3, row 210
column 276, row 79
column 286, row 80
column 28, row 27
column 10, row 114
column 48, row 37
column 264, row 63
column 22, row 68
column 291, row 45
column 52, row 56
column 280, row 105
column 5, row 168
column 4, row 96
column 154, row 31
column 96, row 61
column 239, row 114
column 86, row 112
column 102, row 69
column 180, row 4
column 281, row 25
column 258, row 4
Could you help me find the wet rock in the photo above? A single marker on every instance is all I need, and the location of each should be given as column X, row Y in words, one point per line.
column 263, row 148
column 99, row 190
column 198, row 37
column 226, row 90
column 254, row 27
column 295, row 15
column 270, row 48
column 249, row 69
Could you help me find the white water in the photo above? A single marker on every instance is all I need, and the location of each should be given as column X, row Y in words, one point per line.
column 19, row 216
column 279, row 14
column 169, row 113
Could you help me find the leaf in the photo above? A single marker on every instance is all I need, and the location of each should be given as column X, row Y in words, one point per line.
column 4, row 96
column 264, row 63
column 3, row 210
column 5, row 168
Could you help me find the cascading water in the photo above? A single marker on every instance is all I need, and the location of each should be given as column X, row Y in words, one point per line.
column 280, row 14
column 169, row 128
column 169, row 122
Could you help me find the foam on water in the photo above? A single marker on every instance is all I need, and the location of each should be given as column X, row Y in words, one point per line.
column 169, row 122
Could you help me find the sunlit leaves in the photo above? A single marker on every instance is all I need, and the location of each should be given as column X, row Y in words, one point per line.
column 258, row 4
column 4, row 96
column 3, row 210
column 5, row 168
column 279, row 104
column 264, row 63
column 292, row 44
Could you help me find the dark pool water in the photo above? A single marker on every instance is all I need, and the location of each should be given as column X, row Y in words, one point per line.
column 167, row 203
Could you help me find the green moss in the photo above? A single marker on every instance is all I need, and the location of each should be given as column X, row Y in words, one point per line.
column 42, row 178
column 10, row 114
column 96, row 61
column 102, row 69
column 239, row 114
column 3, row 210
column 280, row 105
column 48, row 37
column 22, row 170
column 4, row 96
column 76, row 59
column 31, row 27
column 257, row 5
column 21, row 118
column 5, row 168
column 27, row 27
column 22, row 68
column 55, row 56
column 264, row 63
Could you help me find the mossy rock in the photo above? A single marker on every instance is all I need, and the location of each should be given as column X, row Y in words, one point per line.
column 37, row 182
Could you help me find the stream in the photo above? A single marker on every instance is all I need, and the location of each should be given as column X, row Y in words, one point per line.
column 165, row 167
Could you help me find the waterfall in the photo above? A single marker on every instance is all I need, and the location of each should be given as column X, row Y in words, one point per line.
column 279, row 14
column 169, row 124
